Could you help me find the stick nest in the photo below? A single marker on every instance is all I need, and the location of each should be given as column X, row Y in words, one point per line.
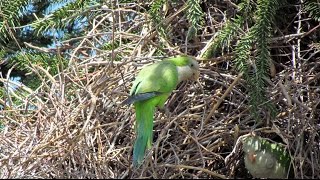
column 74, row 125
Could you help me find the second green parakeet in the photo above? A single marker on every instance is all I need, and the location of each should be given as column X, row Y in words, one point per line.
column 151, row 88
column 264, row 159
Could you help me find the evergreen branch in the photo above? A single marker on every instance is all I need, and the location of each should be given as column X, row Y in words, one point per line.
column 157, row 17
column 226, row 34
column 195, row 16
column 261, row 32
column 230, row 31
column 246, row 8
column 243, row 54
column 63, row 17
column 9, row 16
column 312, row 7
column 46, row 60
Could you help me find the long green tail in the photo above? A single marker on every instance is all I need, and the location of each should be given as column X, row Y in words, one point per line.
column 144, row 127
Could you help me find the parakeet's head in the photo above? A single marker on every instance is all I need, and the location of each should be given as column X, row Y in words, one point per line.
column 188, row 68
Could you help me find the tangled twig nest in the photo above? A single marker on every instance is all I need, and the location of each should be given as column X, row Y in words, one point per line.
column 74, row 125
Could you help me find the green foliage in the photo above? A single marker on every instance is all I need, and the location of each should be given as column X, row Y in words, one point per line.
column 65, row 19
column 24, row 61
column 195, row 16
column 9, row 17
column 313, row 9
column 31, row 81
column 64, row 16
column 266, row 9
column 193, row 11
column 255, row 66
column 110, row 45
column 243, row 58
column 157, row 16
column 231, row 30
column 246, row 8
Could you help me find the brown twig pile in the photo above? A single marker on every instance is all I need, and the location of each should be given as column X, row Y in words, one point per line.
column 74, row 125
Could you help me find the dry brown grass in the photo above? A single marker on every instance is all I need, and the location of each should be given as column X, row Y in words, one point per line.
column 79, row 129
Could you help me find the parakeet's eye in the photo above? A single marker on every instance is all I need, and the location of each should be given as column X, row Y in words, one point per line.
column 191, row 65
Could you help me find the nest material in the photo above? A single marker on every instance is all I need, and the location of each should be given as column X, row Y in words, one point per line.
column 74, row 125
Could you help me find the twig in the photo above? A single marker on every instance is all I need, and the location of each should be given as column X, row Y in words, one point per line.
column 214, row 174
column 216, row 105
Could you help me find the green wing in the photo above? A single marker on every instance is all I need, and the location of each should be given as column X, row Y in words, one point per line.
column 154, row 80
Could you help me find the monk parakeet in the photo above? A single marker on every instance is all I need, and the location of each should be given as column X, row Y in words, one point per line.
column 151, row 88
column 264, row 159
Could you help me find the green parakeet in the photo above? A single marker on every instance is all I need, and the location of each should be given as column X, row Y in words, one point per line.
column 264, row 159
column 151, row 88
